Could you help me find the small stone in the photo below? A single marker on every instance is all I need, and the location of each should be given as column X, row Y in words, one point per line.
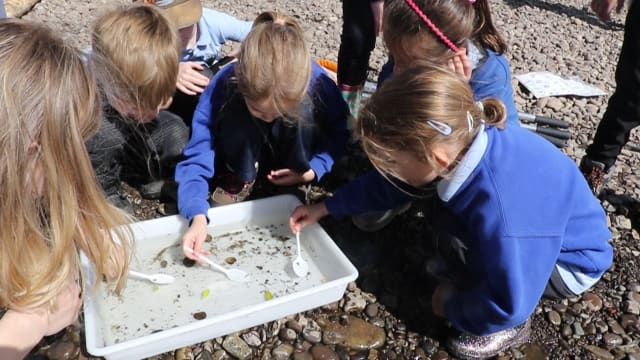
column 235, row 346
column 252, row 338
column 372, row 310
column 312, row 335
column 354, row 303
column 322, row 352
column 577, row 329
column 205, row 355
column 628, row 321
column 188, row 262
column 566, row 331
column 305, row 355
column 282, row 352
column 220, row 355
column 200, row 315
column 286, row 334
column 592, row 302
column 554, row 318
column 611, row 340
column 600, row 353
column 631, row 307
column 615, row 327
column 63, row 350
column 356, row 335
column 294, row 325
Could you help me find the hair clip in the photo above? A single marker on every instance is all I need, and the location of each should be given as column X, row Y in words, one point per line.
column 470, row 121
column 431, row 25
column 440, row 127
column 480, row 106
column 471, row 1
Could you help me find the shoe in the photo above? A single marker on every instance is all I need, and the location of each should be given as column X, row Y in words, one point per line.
column 152, row 190
column 375, row 221
column 595, row 174
column 221, row 196
column 467, row 346
column 121, row 202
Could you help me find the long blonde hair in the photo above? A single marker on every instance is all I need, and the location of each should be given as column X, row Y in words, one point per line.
column 408, row 111
column 274, row 61
column 135, row 57
column 49, row 107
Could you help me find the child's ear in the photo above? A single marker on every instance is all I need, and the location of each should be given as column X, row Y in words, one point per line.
column 442, row 156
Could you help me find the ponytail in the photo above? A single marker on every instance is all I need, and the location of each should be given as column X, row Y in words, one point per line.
column 493, row 112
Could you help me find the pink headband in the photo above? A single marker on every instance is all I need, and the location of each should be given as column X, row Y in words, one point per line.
column 432, row 26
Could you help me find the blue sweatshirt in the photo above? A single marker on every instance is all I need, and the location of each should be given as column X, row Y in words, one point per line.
column 214, row 29
column 491, row 78
column 328, row 113
column 520, row 207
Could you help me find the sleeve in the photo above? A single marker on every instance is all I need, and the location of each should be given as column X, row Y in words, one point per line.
column 513, row 273
column 224, row 27
column 197, row 167
column 331, row 112
column 367, row 193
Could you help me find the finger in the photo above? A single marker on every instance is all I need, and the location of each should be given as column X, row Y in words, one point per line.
column 194, row 88
column 182, row 88
column 280, row 172
column 197, row 66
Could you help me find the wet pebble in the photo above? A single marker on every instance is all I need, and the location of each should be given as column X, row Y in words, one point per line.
column 63, row 350
column 287, row 334
column 357, row 334
column 312, row 335
column 372, row 310
column 294, row 325
column 305, row 355
column 631, row 307
column 354, row 303
column 554, row 318
column 323, row 352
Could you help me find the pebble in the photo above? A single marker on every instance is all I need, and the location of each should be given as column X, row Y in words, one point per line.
column 252, row 338
column 600, row 353
column 323, row 352
column 372, row 310
column 357, row 334
column 611, row 340
column 592, row 302
column 354, row 303
column 63, row 350
column 631, row 307
column 282, row 352
column 287, row 334
column 554, row 318
column 305, row 355
column 234, row 345
column 313, row 336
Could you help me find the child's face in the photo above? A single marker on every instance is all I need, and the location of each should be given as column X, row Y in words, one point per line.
column 264, row 110
column 411, row 170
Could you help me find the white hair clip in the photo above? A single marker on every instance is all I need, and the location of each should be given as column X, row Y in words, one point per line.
column 480, row 106
column 470, row 121
column 440, row 127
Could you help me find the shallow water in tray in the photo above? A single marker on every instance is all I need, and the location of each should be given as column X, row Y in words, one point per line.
column 265, row 252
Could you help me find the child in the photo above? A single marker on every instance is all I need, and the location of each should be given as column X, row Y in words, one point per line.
column 522, row 214
column 135, row 59
column 51, row 206
column 274, row 109
column 202, row 33
column 458, row 33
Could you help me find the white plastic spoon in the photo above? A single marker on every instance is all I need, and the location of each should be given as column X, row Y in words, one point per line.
column 300, row 266
column 160, row 279
column 233, row 274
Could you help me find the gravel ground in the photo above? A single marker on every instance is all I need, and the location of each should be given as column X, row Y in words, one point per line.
column 561, row 37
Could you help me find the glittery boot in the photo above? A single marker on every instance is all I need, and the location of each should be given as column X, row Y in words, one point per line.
column 467, row 346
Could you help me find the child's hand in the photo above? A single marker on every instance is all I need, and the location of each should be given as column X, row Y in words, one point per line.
column 190, row 80
column 194, row 237
column 460, row 64
column 305, row 215
column 440, row 297
column 285, row 177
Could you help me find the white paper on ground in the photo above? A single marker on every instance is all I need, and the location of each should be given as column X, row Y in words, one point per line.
column 543, row 83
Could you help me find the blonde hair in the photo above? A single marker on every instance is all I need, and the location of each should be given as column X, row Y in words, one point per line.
column 404, row 114
column 274, row 61
column 458, row 20
column 49, row 107
column 135, row 57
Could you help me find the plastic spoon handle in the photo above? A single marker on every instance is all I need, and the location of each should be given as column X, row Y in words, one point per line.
column 139, row 275
column 298, row 244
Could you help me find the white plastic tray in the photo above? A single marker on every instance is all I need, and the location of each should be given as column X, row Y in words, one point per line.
column 148, row 320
